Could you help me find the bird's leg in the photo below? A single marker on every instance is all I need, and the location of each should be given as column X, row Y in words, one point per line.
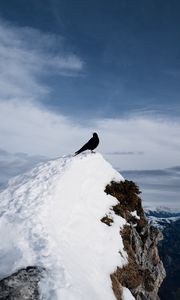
column 93, row 151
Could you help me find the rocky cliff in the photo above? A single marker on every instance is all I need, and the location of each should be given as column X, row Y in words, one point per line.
column 144, row 272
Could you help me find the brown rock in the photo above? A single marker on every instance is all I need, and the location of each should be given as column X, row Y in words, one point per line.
column 144, row 272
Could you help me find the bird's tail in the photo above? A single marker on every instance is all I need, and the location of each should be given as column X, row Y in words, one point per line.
column 76, row 153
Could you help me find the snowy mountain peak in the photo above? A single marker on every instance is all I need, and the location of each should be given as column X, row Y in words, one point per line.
column 50, row 217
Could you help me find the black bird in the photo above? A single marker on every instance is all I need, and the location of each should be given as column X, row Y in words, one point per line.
column 90, row 145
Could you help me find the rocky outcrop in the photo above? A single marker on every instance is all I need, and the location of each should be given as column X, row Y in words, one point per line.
column 144, row 272
column 22, row 285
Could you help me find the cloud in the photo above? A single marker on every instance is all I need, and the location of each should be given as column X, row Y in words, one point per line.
column 27, row 56
column 160, row 187
column 156, row 137
column 34, row 130
column 4, row 153
column 125, row 153
column 13, row 164
column 30, row 128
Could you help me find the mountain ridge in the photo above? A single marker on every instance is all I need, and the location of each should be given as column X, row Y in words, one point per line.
column 51, row 217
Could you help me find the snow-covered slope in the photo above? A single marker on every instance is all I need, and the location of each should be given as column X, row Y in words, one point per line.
column 162, row 216
column 50, row 217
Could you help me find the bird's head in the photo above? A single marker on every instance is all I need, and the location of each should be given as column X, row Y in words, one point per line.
column 95, row 134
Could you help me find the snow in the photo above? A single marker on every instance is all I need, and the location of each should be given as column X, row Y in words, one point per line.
column 161, row 209
column 161, row 222
column 134, row 214
column 50, row 217
column 126, row 294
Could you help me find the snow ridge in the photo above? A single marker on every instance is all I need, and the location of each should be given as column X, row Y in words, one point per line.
column 50, row 217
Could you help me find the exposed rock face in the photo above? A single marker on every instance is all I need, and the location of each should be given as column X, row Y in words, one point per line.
column 145, row 272
column 22, row 285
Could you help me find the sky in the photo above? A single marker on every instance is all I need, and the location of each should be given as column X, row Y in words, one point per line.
column 69, row 68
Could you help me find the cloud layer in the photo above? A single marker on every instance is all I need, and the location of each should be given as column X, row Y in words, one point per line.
column 160, row 188
column 12, row 164
column 30, row 128
column 27, row 55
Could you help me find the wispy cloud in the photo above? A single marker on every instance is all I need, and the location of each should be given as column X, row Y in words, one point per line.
column 160, row 187
column 125, row 153
column 4, row 153
column 143, row 143
column 156, row 137
column 12, row 164
column 27, row 55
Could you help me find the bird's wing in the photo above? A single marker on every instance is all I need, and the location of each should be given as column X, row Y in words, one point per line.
column 85, row 147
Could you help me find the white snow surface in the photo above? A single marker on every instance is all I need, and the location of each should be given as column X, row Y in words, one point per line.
column 161, row 222
column 126, row 294
column 134, row 214
column 50, row 217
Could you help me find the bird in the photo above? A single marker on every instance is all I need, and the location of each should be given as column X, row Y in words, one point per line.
column 90, row 145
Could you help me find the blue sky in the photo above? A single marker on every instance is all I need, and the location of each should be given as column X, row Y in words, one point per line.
column 69, row 68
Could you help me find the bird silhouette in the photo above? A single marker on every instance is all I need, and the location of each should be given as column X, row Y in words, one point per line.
column 90, row 145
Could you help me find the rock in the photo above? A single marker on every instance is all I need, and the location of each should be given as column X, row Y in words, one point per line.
column 22, row 285
column 144, row 272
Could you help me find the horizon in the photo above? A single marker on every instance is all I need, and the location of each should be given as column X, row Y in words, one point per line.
column 159, row 188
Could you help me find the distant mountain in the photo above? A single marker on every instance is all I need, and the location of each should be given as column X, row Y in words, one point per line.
column 169, row 250
column 163, row 213
column 162, row 218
